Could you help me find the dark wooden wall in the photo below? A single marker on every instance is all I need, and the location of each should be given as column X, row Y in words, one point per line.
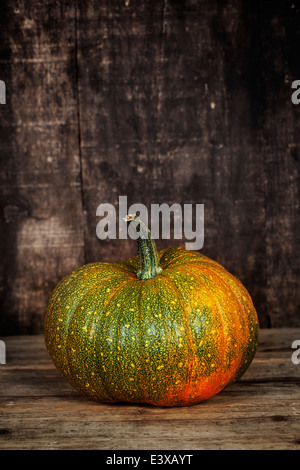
column 161, row 101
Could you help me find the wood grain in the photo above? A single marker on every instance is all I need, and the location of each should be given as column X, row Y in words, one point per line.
column 41, row 223
column 39, row 410
column 164, row 102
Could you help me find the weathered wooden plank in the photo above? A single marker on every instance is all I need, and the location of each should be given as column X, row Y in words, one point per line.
column 280, row 137
column 268, row 420
column 241, row 401
column 41, row 217
column 208, row 434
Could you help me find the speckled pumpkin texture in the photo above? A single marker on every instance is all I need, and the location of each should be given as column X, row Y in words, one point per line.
column 174, row 340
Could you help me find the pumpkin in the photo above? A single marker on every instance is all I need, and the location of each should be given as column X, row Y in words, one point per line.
column 169, row 328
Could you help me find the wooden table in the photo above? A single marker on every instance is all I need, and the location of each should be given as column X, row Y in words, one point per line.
column 39, row 410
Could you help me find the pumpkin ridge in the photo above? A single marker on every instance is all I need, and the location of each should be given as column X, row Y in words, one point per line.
column 50, row 322
column 248, row 360
column 129, row 265
column 192, row 347
column 100, row 372
column 220, row 310
column 187, row 256
column 62, row 286
column 95, row 285
column 245, row 322
column 78, row 385
column 90, row 288
column 173, row 260
column 110, row 393
column 114, row 397
column 241, row 307
column 155, row 288
column 165, row 326
column 142, row 335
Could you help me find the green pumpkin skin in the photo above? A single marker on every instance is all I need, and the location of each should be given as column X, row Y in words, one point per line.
column 175, row 339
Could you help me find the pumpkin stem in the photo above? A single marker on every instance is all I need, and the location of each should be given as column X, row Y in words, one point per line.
column 148, row 256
